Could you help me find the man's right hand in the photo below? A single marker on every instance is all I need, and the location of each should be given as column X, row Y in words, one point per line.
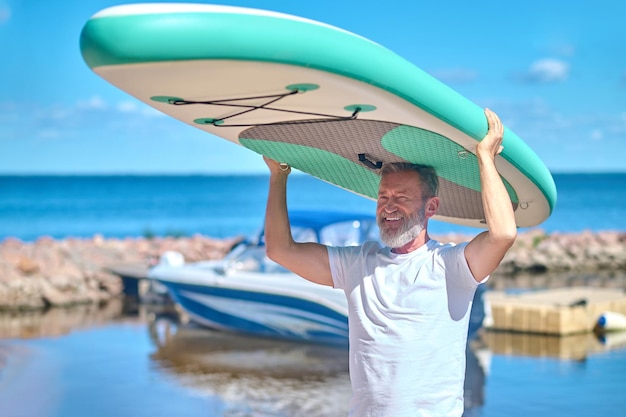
column 277, row 167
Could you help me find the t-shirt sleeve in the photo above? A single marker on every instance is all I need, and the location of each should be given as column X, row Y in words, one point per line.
column 345, row 263
column 336, row 261
column 453, row 257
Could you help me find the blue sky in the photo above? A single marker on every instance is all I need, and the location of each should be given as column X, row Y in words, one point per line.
column 555, row 71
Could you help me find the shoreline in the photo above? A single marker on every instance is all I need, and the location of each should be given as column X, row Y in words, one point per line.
column 50, row 273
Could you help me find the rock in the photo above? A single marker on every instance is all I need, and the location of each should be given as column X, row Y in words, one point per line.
column 22, row 293
column 72, row 271
column 54, row 297
column 27, row 266
column 47, row 272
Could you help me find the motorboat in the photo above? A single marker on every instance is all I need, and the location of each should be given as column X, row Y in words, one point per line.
column 248, row 293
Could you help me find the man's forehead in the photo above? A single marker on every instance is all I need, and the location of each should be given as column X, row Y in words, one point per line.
column 401, row 180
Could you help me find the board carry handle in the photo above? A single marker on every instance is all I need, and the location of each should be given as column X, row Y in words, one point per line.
column 363, row 159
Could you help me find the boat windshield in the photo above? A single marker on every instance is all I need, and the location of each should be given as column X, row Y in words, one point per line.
column 252, row 258
column 348, row 233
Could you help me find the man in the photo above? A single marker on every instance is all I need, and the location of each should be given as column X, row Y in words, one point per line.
column 409, row 303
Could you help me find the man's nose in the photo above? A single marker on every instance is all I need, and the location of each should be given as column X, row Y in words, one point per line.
column 390, row 206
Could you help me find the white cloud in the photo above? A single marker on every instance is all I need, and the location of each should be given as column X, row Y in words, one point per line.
column 617, row 126
column 127, row 107
column 58, row 113
column 152, row 112
column 95, row 102
column 548, row 70
column 83, row 121
column 8, row 112
column 583, row 140
column 596, row 135
column 5, row 12
column 49, row 134
column 534, row 112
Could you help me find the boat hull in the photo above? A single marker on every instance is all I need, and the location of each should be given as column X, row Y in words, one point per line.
column 277, row 315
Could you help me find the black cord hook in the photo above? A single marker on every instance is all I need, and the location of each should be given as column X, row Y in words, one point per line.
column 371, row 165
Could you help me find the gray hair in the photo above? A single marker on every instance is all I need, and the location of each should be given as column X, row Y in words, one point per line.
column 427, row 174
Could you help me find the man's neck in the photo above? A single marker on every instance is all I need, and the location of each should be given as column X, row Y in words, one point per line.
column 413, row 245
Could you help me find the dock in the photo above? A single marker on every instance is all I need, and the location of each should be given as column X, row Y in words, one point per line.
column 132, row 275
column 562, row 312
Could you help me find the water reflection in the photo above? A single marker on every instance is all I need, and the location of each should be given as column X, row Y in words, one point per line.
column 250, row 376
column 262, row 377
column 256, row 376
column 57, row 321
column 476, row 368
column 574, row 347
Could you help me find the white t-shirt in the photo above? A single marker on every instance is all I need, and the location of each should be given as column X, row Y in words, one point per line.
column 408, row 316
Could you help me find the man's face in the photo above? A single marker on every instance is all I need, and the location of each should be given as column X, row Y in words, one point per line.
column 400, row 211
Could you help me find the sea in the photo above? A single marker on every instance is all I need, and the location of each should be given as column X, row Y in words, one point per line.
column 141, row 361
column 226, row 206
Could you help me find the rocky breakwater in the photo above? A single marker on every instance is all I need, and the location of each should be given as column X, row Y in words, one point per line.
column 47, row 272
column 539, row 252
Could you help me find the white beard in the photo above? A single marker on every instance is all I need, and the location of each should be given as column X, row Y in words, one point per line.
column 412, row 227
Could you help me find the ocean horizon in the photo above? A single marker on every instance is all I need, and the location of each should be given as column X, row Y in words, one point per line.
column 226, row 205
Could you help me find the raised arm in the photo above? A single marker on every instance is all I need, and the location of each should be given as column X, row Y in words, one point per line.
column 485, row 252
column 309, row 260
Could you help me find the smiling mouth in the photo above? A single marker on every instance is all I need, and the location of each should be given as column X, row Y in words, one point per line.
column 392, row 218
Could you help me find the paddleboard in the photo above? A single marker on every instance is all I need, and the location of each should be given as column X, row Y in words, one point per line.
column 326, row 101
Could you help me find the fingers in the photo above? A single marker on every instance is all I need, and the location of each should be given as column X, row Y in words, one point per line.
column 495, row 125
column 275, row 166
column 492, row 142
column 268, row 161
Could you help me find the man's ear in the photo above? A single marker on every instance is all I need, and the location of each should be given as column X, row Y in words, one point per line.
column 432, row 205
